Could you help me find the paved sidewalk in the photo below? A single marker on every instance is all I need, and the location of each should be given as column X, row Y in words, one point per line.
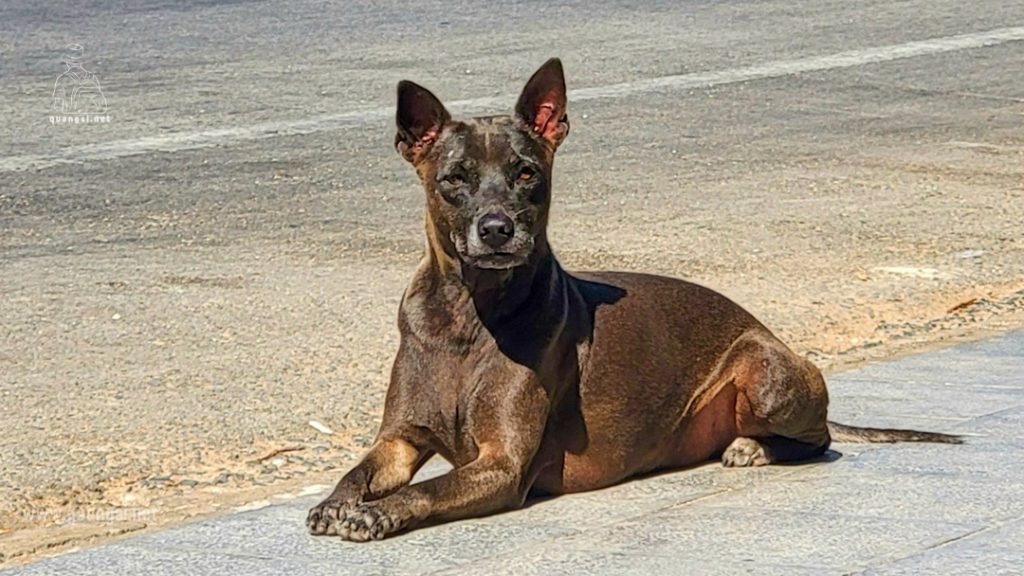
column 877, row 509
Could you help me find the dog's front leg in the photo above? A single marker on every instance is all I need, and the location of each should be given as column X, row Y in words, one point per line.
column 389, row 465
column 508, row 432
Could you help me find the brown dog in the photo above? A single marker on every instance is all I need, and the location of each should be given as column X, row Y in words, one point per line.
column 528, row 378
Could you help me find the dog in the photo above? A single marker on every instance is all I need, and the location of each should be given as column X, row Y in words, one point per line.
column 533, row 380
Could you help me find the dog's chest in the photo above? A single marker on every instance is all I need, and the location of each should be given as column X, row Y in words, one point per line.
column 455, row 384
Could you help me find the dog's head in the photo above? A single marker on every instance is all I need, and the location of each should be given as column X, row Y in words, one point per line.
column 488, row 180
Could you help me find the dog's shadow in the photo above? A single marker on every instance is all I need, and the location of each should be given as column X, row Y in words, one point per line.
column 536, row 498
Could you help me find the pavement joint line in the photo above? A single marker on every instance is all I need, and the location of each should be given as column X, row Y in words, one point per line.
column 513, row 552
column 184, row 141
column 893, row 559
column 964, row 536
column 730, row 489
column 1010, row 409
column 685, row 503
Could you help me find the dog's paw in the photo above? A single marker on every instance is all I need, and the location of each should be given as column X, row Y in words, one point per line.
column 745, row 452
column 367, row 522
column 323, row 519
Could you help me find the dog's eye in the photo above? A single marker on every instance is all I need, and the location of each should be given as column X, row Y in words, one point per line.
column 454, row 180
column 526, row 174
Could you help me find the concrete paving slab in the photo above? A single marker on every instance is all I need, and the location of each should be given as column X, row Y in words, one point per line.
column 1008, row 423
column 872, row 509
column 562, row 561
column 885, row 495
column 993, row 551
column 704, row 535
column 919, row 400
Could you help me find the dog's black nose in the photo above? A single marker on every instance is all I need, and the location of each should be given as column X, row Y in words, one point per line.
column 495, row 229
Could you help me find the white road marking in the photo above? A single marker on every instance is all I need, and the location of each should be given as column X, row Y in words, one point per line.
column 176, row 142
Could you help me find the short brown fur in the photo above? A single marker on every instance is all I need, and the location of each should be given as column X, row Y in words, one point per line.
column 530, row 379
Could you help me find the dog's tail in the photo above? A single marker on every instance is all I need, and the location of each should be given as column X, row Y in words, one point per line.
column 844, row 433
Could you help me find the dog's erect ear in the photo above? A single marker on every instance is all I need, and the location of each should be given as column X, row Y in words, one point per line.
column 420, row 117
column 542, row 105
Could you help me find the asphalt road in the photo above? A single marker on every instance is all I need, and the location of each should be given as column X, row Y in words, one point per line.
column 185, row 286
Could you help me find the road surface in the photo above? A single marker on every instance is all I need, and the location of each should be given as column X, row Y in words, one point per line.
column 187, row 285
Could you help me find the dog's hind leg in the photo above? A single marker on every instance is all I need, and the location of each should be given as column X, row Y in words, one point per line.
column 781, row 404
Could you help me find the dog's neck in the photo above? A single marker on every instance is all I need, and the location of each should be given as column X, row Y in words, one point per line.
column 524, row 309
column 498, row 294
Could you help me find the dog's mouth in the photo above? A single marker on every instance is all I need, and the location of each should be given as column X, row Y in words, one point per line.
column 497, row 260
column 511, row 255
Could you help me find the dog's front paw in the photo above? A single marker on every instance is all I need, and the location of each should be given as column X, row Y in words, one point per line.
column 323, row 519
column 369, row 521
